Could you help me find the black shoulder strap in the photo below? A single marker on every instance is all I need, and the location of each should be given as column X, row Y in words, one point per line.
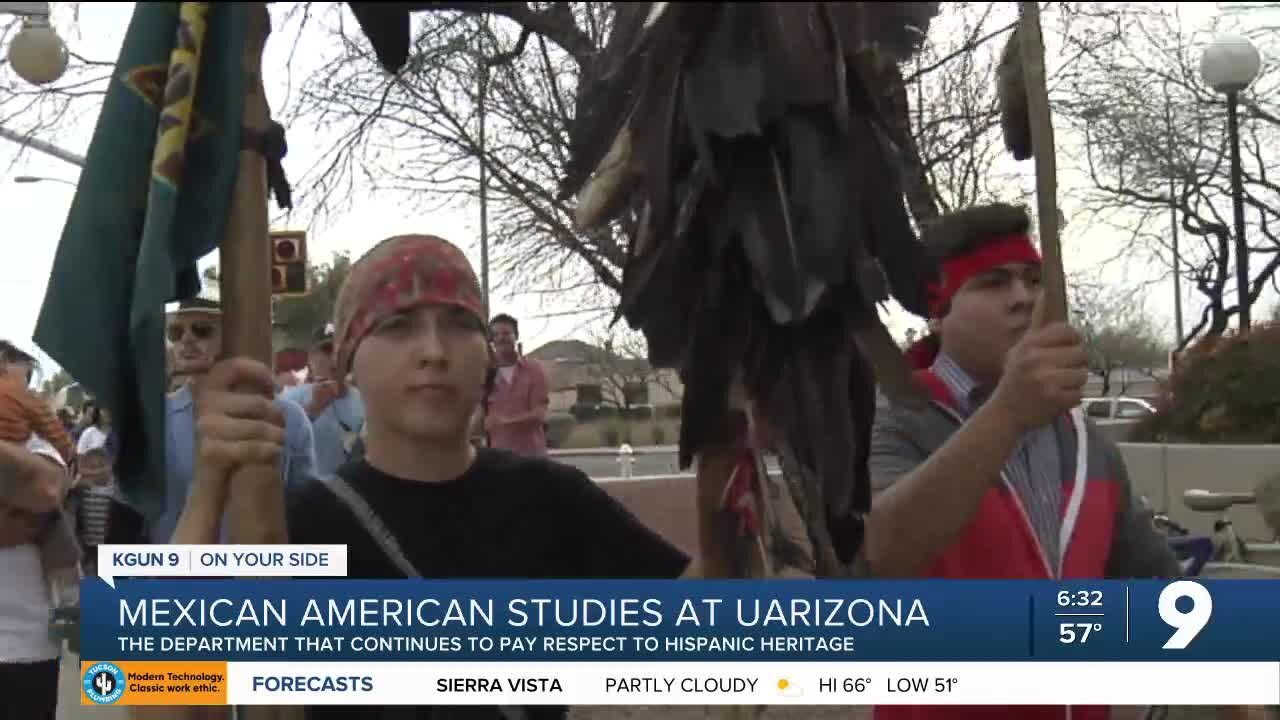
column 377, row 530
column 373, row 524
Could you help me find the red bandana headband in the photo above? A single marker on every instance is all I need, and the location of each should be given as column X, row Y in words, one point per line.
column 958, row 270
column 399, row 274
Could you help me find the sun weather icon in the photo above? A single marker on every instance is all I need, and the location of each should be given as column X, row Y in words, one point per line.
column 789, row 689
column 104, row 683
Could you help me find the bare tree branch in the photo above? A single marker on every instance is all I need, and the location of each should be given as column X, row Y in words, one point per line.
column 1155, row 148
column 417, row 134
column 1118, row 332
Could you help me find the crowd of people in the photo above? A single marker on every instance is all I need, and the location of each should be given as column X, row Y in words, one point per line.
column 417, row 441
column 324, row 431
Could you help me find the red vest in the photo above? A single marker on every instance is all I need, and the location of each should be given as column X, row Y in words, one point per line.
column 999, row 543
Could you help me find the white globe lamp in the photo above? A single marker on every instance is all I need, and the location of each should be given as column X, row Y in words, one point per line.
column 36, row 53
column 1230, row 63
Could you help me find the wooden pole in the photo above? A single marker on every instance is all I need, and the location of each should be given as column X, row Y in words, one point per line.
column 1031, row 47
column 255, row 501
column 714, row 466
column 715, row 527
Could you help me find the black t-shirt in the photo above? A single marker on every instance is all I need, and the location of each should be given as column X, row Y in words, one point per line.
column 505, row 517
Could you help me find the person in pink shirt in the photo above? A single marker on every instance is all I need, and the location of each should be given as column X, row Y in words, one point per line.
column 516, row 408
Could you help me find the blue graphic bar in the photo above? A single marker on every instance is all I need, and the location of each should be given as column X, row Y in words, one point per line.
column 663, row 621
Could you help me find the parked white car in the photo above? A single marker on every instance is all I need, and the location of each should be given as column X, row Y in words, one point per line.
column 1117, row 408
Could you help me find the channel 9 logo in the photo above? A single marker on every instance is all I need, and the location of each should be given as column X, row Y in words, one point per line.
column 1185, row 606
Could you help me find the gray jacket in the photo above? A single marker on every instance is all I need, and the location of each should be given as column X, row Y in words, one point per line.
column 1109, row 532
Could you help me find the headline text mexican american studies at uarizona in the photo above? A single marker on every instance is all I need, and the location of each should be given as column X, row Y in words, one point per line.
column 523, row 612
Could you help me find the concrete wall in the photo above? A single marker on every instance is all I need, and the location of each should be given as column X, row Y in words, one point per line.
column 1164, row 472
column 665, row 504
column 1161, row 472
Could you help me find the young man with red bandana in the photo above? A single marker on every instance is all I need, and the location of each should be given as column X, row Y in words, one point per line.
column 423, row 501
column 1016, row 483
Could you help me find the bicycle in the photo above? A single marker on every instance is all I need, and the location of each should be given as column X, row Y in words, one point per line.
column 1232, row 557
column 1220, row 555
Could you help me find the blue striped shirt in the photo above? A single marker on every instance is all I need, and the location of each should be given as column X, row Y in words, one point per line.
column 297, row 465
column 1034, row 469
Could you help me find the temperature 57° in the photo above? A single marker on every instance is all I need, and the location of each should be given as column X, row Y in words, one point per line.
column 1070, row 633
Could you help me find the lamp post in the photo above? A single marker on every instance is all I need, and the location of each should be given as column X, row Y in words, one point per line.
column 38, row 56
column 36, row 53
column 1228, row 66
column 29, row 179
column 1173, row 218
column 47, row 148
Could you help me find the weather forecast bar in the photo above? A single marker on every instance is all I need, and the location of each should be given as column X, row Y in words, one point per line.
column 888, row 683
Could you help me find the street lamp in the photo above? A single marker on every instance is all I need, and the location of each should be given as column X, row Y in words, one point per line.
column 28, row 179
column 1229, row 65
column 36, row 53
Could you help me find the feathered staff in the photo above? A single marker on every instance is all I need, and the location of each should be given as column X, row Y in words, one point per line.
column 747, row 144
column 1028, row 132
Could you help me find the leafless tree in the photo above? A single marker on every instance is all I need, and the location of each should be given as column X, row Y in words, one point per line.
column 1155, row 147
column 44, row 112
column 617, row 360
column 418, row 133
column 956, row 155
column 1118, row 332
column 953, row 115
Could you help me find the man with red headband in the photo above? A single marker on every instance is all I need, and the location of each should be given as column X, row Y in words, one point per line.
column 1001, row 476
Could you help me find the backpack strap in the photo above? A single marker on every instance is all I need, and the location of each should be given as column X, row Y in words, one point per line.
column 373, row 524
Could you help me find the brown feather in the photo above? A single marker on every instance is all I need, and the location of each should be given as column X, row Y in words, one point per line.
column 607, row 189
column 797, row 55
column 606, row 94
column 1011, row 92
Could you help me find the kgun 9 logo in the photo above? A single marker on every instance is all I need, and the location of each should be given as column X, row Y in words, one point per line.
column 1187, row 625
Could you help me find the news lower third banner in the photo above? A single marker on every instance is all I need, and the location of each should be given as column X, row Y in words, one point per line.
column 318, row 638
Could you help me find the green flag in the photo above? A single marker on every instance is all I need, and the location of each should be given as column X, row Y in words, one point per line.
column 153, row 198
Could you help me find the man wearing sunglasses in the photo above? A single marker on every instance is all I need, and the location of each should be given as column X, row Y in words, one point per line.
column 194, row 333
column 334, row 406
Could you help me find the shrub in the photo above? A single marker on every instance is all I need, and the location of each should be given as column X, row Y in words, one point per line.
column 613, row 434
column 1225, row 390
column 559, row 426
column 584, row 412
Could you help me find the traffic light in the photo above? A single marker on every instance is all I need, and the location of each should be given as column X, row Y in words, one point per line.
column 289, row 262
